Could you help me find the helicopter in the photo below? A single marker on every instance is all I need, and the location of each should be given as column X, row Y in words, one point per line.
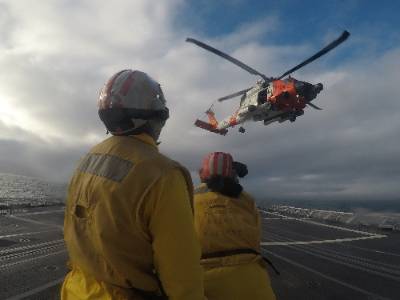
column 271, row 99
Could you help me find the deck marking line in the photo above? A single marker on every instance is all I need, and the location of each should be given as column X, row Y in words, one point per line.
column 376, row 251
column 31, row 259
column 37, row 222
column 26, row 233
column 38, row 212
column 390, row 268
column 350, row 286
column 37, row 245
column 378, row 236
column 349, row 260
column 336, row 260
column 326, row 225
column 37, row 290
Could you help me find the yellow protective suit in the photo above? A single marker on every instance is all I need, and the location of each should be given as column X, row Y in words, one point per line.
column 224, row 224
column 129, row 215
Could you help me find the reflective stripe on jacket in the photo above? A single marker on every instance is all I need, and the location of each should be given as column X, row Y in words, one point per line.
column 128, row 213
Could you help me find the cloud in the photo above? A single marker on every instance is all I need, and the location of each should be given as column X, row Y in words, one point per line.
column 62, row 52
column 25, row 153
column 56, row 56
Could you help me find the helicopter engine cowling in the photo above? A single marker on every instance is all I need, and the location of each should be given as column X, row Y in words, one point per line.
column 284, row 96
column 291, row 94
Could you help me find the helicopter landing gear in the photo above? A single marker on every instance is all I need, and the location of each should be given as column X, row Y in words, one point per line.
column 241, row 129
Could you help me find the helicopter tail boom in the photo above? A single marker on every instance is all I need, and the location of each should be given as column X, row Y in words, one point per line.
column 211, row 118
column 209, row 127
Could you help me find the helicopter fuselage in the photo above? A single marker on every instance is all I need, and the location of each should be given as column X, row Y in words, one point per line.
column 277, row 100
column 272, row 98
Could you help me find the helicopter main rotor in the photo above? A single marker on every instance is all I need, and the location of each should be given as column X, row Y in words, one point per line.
column 227, row 57
column 234, row 95
column 345, row 34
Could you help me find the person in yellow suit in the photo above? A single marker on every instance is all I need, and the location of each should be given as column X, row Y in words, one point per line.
column 128, row 223
column 228, row 226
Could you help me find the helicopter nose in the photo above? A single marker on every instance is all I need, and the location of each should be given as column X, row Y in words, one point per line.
column 304, row 89
column 307, row 90
column 318, row 88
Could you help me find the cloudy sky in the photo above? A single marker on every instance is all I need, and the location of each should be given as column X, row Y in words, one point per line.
column 56, row 55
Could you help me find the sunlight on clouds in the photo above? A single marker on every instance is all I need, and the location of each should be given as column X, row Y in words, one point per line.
column 17, row 121
column 92, row 138
column 8, row 113
column 14, row 116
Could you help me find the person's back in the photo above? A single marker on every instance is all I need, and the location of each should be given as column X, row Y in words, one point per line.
column 127, row 213
column 224, row 223
column 228, row 226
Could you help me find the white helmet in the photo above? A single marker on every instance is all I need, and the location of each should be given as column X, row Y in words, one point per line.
column 131, row 102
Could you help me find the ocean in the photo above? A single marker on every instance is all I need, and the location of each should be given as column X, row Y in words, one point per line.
column 23, row 190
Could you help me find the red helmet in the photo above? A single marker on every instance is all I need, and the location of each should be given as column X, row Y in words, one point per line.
column 217, row 163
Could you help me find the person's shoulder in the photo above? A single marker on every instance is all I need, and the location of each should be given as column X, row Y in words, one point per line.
column 201, row 189
column 164, row 167
column 113, row 145
column 100, row 145
column 247, row 196
column 165, row 163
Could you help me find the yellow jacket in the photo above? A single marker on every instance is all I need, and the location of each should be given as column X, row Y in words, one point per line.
column 129, row 215
column 224, row 224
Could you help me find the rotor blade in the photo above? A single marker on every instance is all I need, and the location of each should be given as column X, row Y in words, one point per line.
column 325, row 50
column 233, row 95
column 227, row 57
column 314, row 106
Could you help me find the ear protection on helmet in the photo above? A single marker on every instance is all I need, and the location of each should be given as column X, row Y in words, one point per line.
column 118, row 114
column 120, row 119
column 240, row 169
